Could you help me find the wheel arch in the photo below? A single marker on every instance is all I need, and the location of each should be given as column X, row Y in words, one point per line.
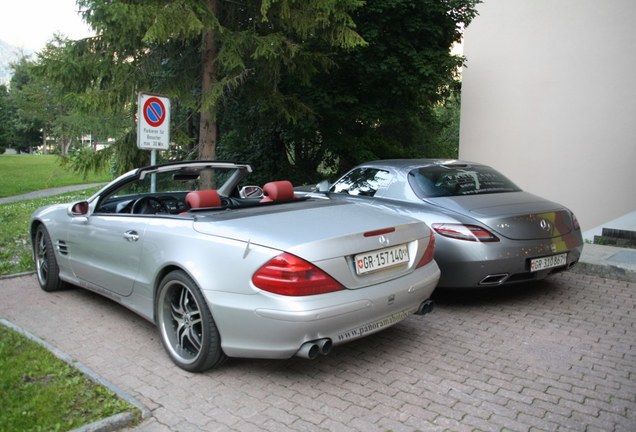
column 161, row 274
column 210, row 352
column 35, row 224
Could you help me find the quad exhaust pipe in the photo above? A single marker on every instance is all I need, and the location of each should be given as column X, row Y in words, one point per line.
column 312, row 349
column 425, row 307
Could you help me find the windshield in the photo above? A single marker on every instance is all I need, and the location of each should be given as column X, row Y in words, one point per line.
column 163, row 189
column 182, row 180
column 457, row 180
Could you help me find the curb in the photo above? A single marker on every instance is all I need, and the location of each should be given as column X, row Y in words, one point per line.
column 17, row 275
column 605, row 271
column 607, row 262
column 109, row 424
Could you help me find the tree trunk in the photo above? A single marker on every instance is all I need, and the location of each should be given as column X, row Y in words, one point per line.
column 45, row 149
column 64, row 145
column 207, row 126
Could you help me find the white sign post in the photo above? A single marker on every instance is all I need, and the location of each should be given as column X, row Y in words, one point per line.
column 153, row 125
column 153, row 122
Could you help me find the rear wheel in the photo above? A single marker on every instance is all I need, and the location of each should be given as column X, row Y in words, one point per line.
column 188, row 331
column 45, row 263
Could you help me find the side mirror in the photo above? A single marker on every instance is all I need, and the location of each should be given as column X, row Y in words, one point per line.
column 323, row 186
column 251, row 192
column 79, row 209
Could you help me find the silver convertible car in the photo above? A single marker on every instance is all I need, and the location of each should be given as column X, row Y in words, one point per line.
column 225, row 269
column 488, row 231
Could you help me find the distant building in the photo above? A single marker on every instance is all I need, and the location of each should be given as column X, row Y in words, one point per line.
column 548, row 98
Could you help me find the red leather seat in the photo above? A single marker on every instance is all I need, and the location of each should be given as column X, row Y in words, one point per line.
column 278, row 191
column 203, row 199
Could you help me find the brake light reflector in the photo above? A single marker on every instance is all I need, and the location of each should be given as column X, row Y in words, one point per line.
column 575, row 222
column 286, row 274
column 465, row 232
column 379, row 232
column 430, row 251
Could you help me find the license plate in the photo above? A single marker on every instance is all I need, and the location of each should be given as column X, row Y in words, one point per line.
column 548, row 262
column 381, row 259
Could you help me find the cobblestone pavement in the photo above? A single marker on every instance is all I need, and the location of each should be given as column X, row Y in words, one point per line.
column 557, row 355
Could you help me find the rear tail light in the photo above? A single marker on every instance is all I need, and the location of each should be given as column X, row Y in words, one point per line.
column 289, row 275
column 575, row 222
column 465, row 232
column 429, row 252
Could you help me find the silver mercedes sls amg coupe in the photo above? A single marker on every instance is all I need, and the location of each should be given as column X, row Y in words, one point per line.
column 488, row 231
column 227, row 269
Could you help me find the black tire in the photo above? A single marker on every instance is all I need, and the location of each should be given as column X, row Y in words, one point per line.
column 187, row 329
column 45, row 262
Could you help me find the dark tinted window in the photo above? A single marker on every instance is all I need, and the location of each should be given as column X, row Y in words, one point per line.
column 455, row 180
column 362, row 181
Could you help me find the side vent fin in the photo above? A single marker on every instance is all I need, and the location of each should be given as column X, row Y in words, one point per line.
column 62, row 247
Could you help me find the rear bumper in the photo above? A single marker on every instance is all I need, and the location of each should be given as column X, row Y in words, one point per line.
column 266, row 325
column 477, row 265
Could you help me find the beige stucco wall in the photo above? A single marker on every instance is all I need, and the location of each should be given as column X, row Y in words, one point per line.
column 549, row 98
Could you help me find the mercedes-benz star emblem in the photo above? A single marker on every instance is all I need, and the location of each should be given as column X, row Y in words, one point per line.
column 545, row 225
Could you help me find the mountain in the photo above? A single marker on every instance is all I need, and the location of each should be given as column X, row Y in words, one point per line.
column 9, row 54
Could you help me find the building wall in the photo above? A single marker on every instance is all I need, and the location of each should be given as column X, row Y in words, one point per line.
column 549, row 98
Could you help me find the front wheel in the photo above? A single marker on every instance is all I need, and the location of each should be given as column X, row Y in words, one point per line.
column 45, row 263
column 188, row 331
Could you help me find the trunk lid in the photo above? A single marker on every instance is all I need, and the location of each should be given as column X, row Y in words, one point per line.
column 515, row 215
column 313, row 230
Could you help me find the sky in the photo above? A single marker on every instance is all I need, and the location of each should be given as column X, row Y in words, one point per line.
column 30, row 24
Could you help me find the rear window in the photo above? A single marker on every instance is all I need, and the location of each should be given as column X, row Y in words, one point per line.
column 362, row 182
column 454, row 180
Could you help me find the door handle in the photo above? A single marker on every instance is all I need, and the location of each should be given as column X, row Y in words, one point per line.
column 131, row 236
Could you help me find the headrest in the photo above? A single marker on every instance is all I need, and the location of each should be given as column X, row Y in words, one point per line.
column 203, row 198
column 278, row 191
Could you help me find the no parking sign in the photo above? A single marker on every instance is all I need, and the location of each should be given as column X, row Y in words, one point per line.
column 153, row 122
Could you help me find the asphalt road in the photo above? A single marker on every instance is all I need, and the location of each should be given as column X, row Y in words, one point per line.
column 556, row 355
column 48, row 192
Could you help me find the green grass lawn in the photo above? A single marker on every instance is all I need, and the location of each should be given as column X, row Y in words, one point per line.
column 15, row 244
column 39, row 392
column 27, row 173
column 43, row 393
